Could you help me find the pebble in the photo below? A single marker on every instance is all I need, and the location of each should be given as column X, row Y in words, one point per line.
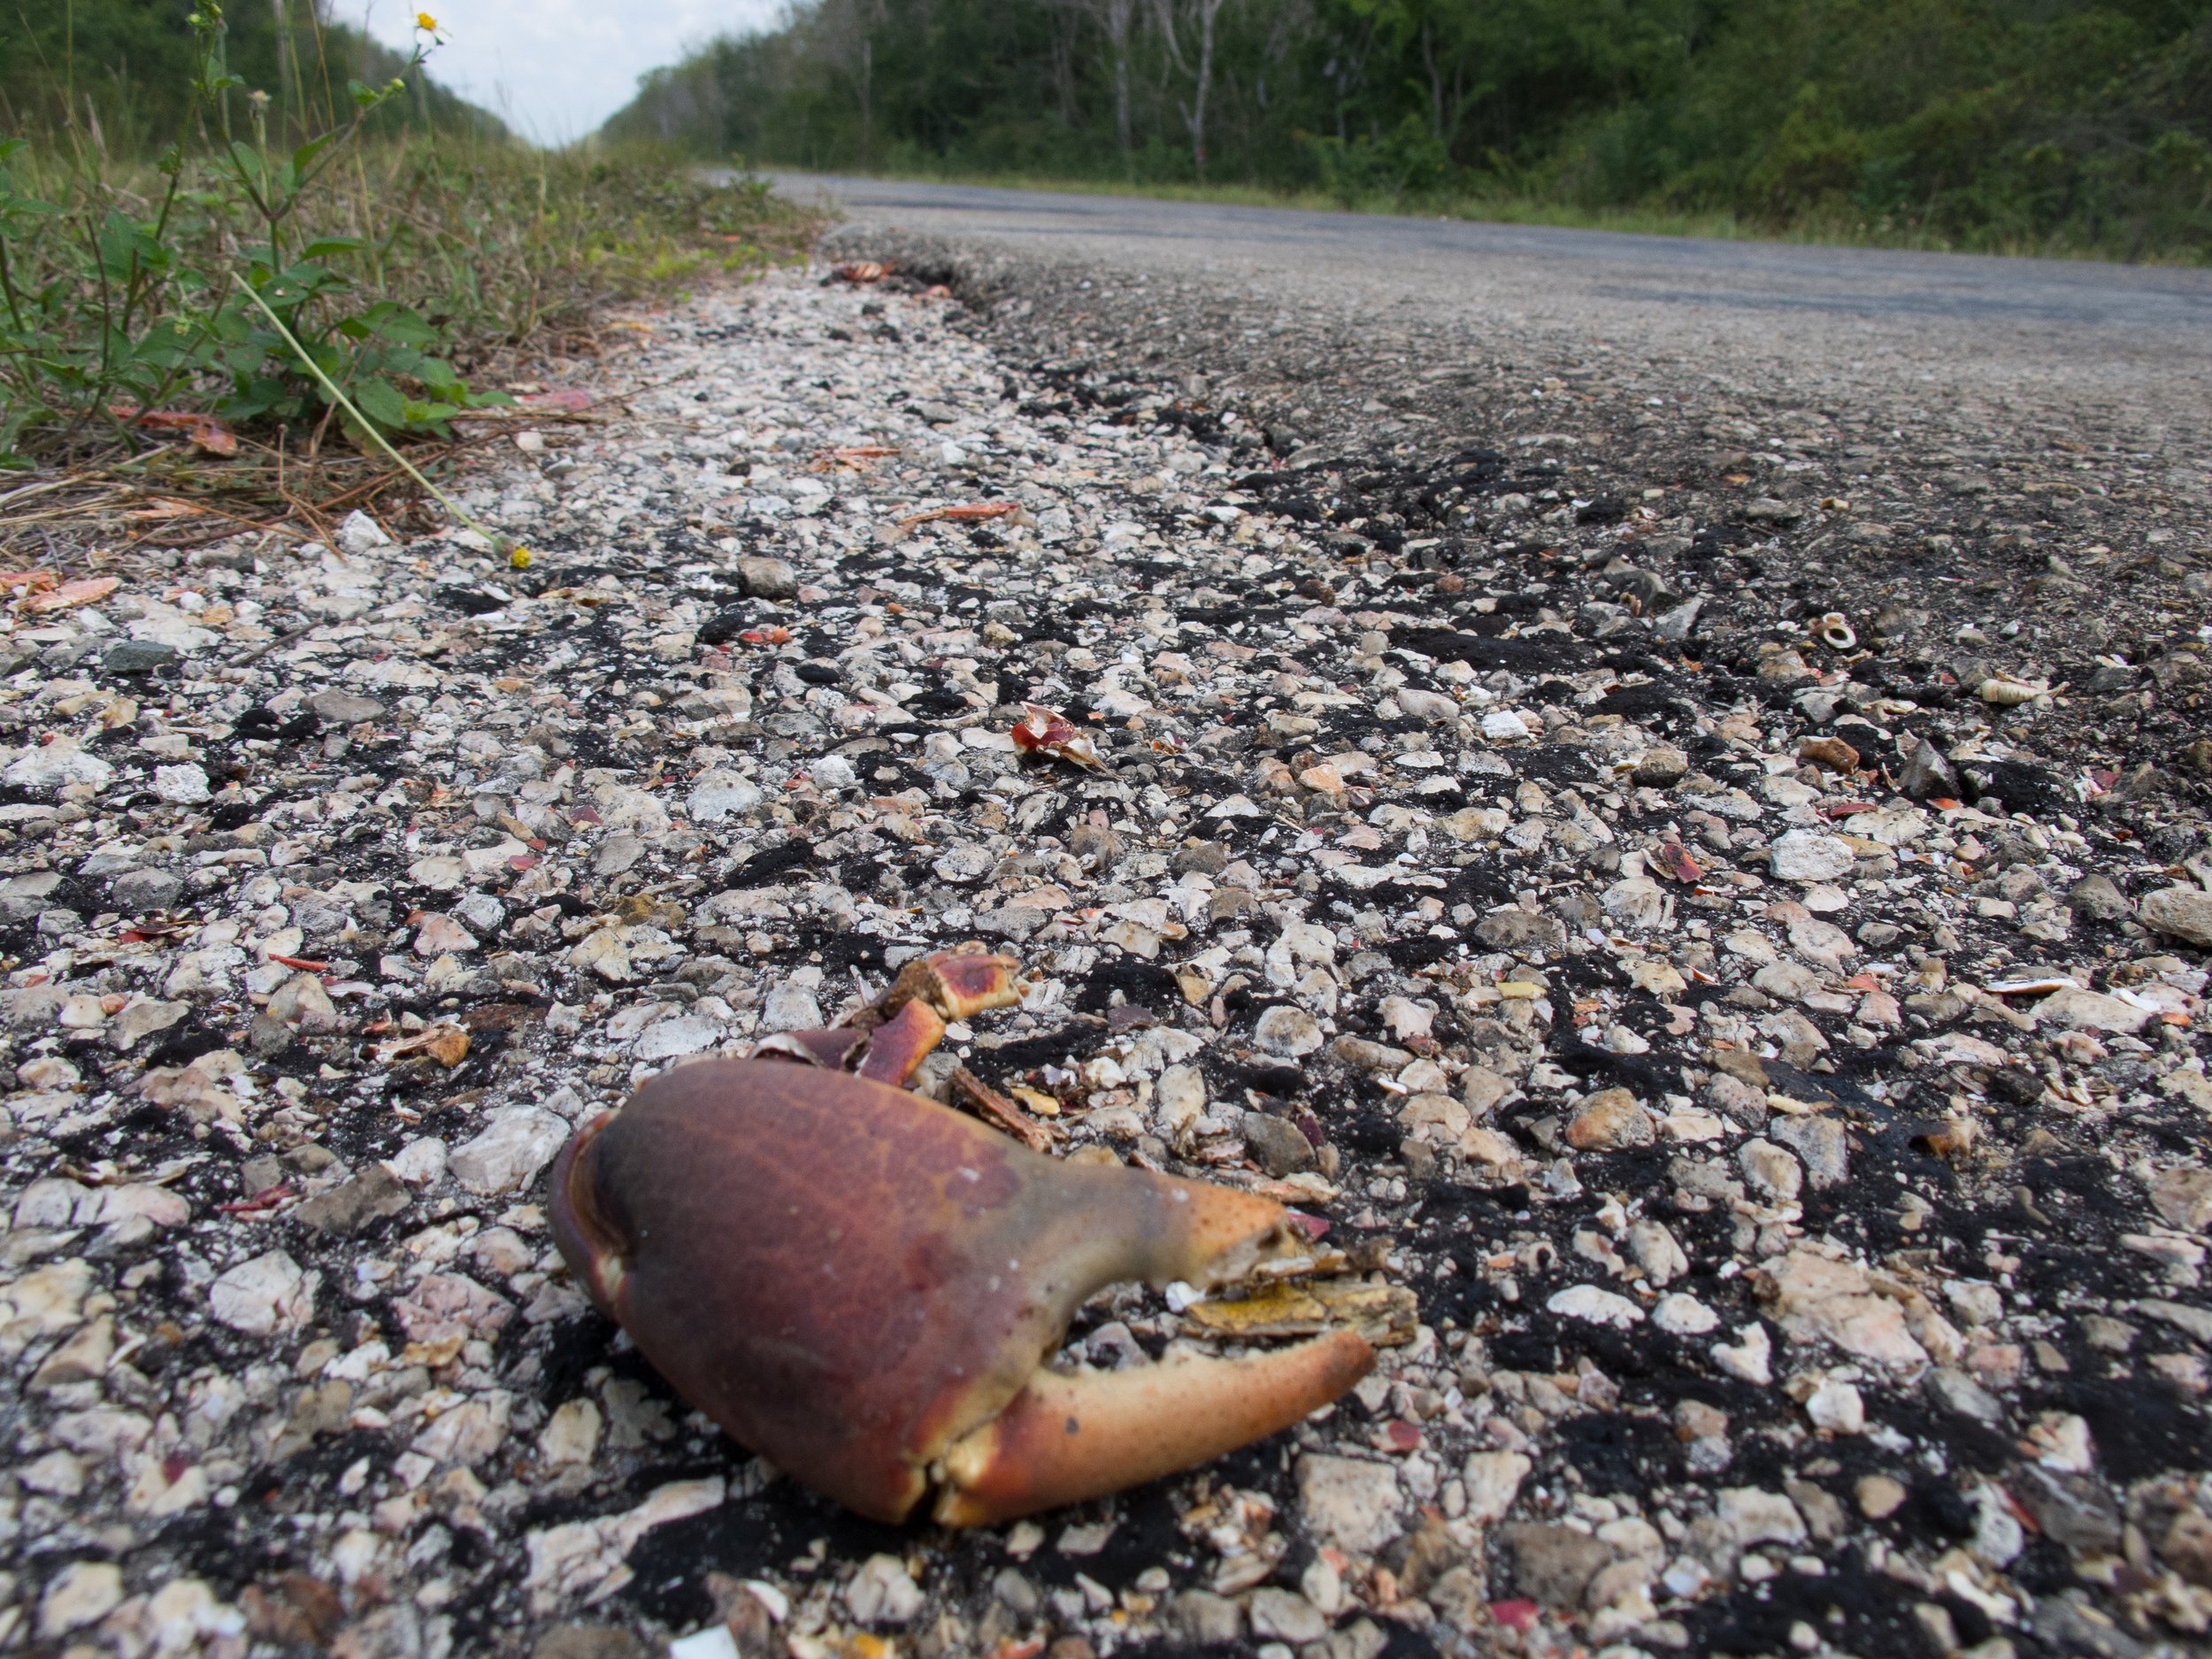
column 1286, row 1615
column 766, row 578
column 1836, row 1406
column 137, row 656
column 1552, row 1565
column 1681, row 1314
column 338, row 708
column 2183, row 913
column 2095, row 899
column 1349, row 1502
column 1881, row 1496
column 1276, row 1145
column 374, row 1194
column 82, row 1593
column 263, row 1296
column 511, row 1148
column 1599, row 1307
column 1749, row 1358
column 883, row 1593
column 571, row 1434
column 1749, row 1516
column 607, row 1641
column 1610, row 1120
column 1771, row 1170
column 1291, row 1033
column 1491, row 1481
column 1820, row 1142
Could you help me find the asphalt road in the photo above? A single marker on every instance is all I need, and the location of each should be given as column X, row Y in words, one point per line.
column 2123, row 346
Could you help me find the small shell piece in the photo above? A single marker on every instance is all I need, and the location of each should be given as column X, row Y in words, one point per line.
column 1834, row 632
column 2004, row 692
column 1043, row 731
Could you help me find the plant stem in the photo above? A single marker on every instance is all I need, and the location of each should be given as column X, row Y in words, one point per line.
column 451, row 506
column 7, row 287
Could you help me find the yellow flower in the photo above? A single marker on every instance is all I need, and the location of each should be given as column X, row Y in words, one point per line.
column 520, row 558
column 428, row 24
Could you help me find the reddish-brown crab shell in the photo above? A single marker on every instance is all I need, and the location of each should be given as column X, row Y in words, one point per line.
column 861, row 1286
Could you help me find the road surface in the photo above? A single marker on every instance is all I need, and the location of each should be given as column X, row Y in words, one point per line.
column 2129, row 347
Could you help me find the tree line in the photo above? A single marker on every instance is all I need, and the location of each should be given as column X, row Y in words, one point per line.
column 120, row 72
column 2043, row 124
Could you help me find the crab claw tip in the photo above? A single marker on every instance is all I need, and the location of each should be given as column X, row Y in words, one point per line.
column 1230, row 1232
column 1064, row 1439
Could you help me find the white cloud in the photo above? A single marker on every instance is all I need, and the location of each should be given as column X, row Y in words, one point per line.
column 555, row 69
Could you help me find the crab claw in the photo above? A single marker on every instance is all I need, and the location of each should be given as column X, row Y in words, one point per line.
column 889, row 1038
column 862, row 1285
column 955, row 984
column 1064, row 1439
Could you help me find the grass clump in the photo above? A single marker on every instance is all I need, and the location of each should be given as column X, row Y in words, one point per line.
column 137, row 288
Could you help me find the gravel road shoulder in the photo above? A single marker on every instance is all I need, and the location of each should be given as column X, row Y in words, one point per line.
column 1710, row 894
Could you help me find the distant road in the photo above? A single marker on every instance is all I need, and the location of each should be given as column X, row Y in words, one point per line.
column 1978, row 325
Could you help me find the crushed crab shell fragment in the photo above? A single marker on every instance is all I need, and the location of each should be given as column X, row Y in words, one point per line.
column 1384, row 1314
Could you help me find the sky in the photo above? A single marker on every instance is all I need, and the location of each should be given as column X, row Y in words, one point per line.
column 554, row 69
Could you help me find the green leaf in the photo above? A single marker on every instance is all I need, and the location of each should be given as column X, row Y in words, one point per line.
column 396, row 323
column 303, row 158
column 380, row 401
column 423, row 417
column 125, row 246
column 329, row 245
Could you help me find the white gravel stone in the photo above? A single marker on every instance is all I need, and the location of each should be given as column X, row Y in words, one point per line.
column 141, row 1018
column 1286, row 1615
column 1808, row 856
column 509, row 1151
column 359, row 535
column 418, row 1163
column 1836, row 1406
column 1681, row 1314
column 2183, row 913
column 571, row 1435
column 713, row 1642
column 1599, row 1307
column 790, row 1008
column 265, row 1296
column 1749, row 1516
column 1491, row 1481
column 181, row 786
column 80, row 1594
column 883, row 1593
column 721, row 795
column 1749, row 1358
column 1289, row 1032
column 58, row 763
column 1350, row 1501
column 686, row 1033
